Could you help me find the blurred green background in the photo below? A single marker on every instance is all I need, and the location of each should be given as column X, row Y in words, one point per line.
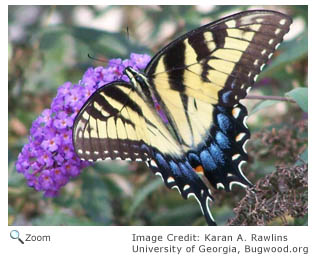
column 48, row 45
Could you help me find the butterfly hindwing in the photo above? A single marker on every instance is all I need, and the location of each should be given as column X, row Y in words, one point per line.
column 213, row 137
column 224, row 153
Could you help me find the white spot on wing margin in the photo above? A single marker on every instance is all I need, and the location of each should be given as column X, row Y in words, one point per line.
column 207, row 204
column 158, row 173
column 177, row 188
column 237, row 183
column 242, row 174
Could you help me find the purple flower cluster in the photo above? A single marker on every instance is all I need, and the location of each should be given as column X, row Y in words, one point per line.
column 48, row 161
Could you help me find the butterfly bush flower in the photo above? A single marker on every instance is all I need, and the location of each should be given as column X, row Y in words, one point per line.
column 48, row 161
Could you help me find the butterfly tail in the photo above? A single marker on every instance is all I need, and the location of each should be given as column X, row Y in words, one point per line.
column 180, row 175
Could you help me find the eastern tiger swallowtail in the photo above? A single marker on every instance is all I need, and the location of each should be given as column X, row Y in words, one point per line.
column 182, row 116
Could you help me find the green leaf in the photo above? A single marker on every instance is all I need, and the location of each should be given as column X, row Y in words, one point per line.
column 300, row 95
column 303, row 157
column 291, row 51
column 174, row 216
column 59, row 218
column 303, row 221
column 63, row 41
column 106, row 167
column 14, row 178
column 263, row 105
column 107, row 43
column 95, row 199
column 143, row 193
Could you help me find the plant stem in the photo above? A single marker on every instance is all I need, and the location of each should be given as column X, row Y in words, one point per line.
column 268, row 97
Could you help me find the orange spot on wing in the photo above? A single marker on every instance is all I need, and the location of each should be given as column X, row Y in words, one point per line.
column 199, row 169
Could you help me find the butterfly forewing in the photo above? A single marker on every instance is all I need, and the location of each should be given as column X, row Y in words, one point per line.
column 111, row 126
column 117, row 123
column 219, row 62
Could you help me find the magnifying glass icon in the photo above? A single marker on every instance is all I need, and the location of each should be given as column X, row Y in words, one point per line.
column 14, row 234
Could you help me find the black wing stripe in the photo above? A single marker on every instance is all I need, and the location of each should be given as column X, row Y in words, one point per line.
column 198, row 43
column 123, row 98
column 173, row 59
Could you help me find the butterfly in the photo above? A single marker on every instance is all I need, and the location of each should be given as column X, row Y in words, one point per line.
column 182, row 115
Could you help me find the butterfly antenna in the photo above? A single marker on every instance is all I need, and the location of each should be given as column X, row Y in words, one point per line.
column 127, row 30
column 97, row 59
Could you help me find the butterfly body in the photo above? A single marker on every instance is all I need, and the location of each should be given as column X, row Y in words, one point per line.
column 182, row 116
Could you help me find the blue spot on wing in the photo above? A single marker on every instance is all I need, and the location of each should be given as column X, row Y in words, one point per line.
column 225, row 96
column 194, row 159
column 217, row 154
column 161, row 161
column 222, row 140
column 223, row 122
column 175, row 169
column 186, row 172
column 207, row 161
